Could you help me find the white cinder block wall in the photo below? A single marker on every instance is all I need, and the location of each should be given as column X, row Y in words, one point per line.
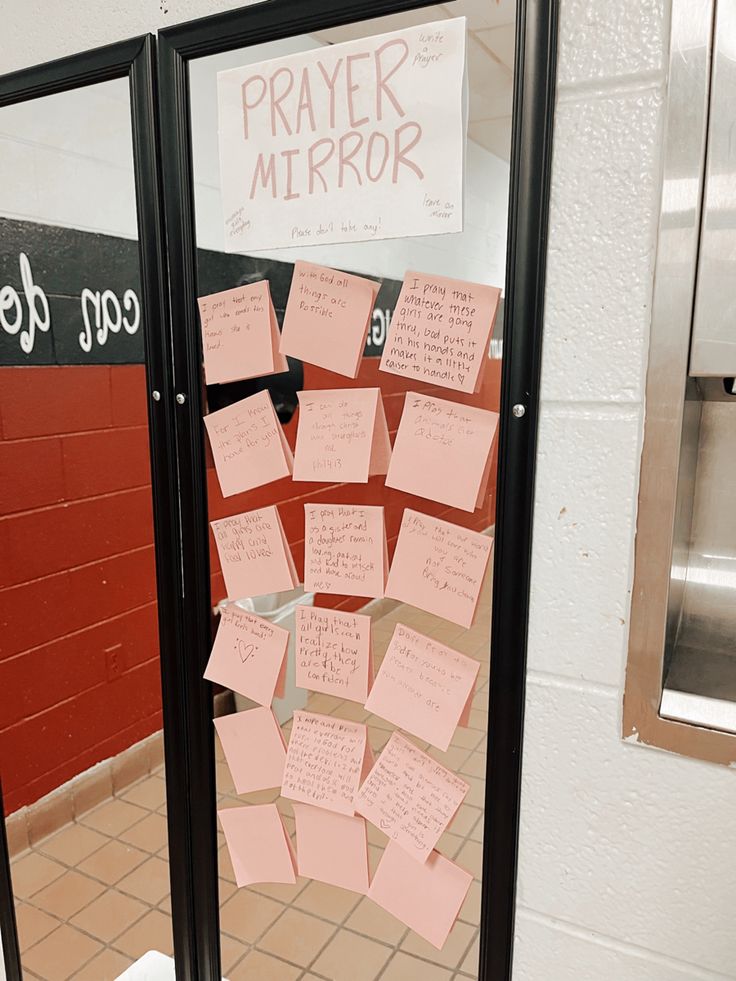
column 627, row 855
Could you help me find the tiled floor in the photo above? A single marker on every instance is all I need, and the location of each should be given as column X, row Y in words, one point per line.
column 95, row 896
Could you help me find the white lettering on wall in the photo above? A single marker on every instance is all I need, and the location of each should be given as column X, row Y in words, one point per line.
column 39, row 317
column 107, row 315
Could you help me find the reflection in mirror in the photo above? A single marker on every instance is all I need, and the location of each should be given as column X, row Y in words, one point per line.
column 442, row 499
column 81, row 739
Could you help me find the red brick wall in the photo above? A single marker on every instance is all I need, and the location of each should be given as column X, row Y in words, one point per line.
column 79, row 674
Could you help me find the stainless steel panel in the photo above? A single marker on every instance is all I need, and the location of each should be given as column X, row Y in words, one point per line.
column 714, row 325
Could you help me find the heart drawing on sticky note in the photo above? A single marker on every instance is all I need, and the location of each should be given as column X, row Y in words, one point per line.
column 246, row 651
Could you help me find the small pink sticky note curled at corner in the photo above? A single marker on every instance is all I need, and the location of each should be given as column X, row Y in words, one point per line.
column 422, row 686
column 259, row 846
column 327, row 317
column 342, row 436
column 333, row 652
column 254, row 554
column 325, row 761
column 240, row 335
column 440, row 330
column 248, row 654
column 254, row 749
column 439, row 567
column 248, row 444
column 345, row 549
column 443, row 451
column 332, row 847
column 410, row 797
column 427, row 897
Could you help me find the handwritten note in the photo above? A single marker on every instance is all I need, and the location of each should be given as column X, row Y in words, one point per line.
column 439, row 567
column 254, row 749
column 259, row 846
column 327, row 317
column 427, row 898
column 332, row 847
column 342, row 436
column 345, row 550
column 333, row 652
column 240, row 336
column 422, row 686
column 254, row 554
column 347, row 142
column 440, row 330
column 410, row 796
column 248, row 654
column 443, row 451
column 248, row 445
column 325, row 761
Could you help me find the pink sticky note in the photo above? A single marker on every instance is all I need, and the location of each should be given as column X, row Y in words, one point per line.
column 440, row 330
column 422, row 686
column 240, row 335
column 254, row 749
column 325, row 761
column 254, row 554
column 439, row 567
column 410, row 796
column 248, row 444
column 327, row 317
column 342, row 436
column 333, row 652
column 442, row 451
column 427, row 898
column 345, row 550
column 259, row 846
column 248, row 654
column 331, row 847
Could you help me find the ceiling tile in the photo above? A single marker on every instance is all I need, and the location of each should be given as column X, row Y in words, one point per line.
column 501, row 41
column 483, row 13
column 494, row 135
column 382, row 25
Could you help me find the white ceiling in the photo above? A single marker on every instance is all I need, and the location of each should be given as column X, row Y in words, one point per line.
column 491, row 34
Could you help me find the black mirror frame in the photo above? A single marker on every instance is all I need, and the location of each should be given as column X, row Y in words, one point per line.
column 536, row 46
column 135, row 60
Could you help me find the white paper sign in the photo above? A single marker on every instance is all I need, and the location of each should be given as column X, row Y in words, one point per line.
column 349, row 142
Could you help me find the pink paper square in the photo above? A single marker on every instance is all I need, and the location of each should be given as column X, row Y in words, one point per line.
column 427, row 897
column 439, row 567
column 422, row 686
column 248, row 445
column 442, row 451
column 345, row 550
column 254, row 749
column 410, row 797
column 342, row 436
column 327, row 317
column 259, row 846
column 248, row 654
column 333, row 652
column 325, row 761
column 254, row 554
column 440, row 331
column 240, row 335
column 331, row 847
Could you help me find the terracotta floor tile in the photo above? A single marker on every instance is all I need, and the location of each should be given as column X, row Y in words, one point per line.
column 281, row 891
column 451, row 955
column 73, row 844
column 149, row 793
column 374, row 922
column 68, row 894
column 33, row 925
column 365, row 957
column 470, row 910
column 258, row 966
column 231, row 951
column 247, row 915
column 470, row 965
column 109, row 915
column 453, row 758
column 113, row 861
column 297, row 937
column 225, row 890
column 113, row 817
column 465, row 820
column 152, row 932
column 469, row 738
column 107, row 966
column 150, row 834
column 31, row 872
column 59, row 955
column 406, row 968
column 476, row 796
column 470, row 857
column 328, row 902
column 149, row 882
